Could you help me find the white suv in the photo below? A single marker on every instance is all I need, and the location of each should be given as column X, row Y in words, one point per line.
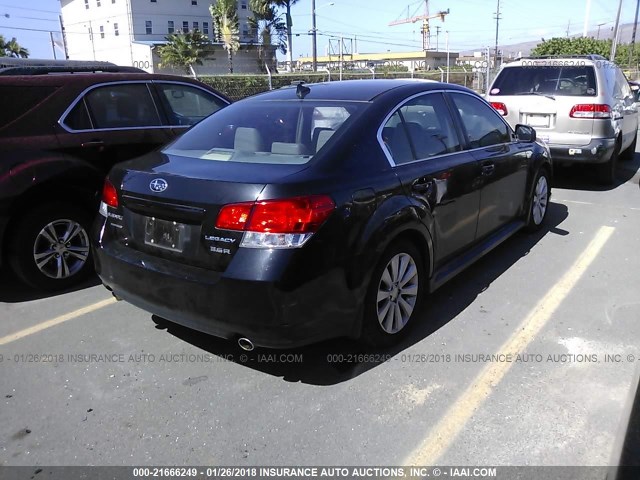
column 581, row 106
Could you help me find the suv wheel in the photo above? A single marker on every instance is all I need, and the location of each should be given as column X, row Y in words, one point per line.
column 49, row 247
column 607, row 170
column 630, row 152
column 394, row 295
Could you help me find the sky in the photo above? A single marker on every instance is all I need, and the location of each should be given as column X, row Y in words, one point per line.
column 471, row 24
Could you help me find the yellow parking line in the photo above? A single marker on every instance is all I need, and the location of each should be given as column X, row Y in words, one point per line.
column 56, row 321
column 444, row 433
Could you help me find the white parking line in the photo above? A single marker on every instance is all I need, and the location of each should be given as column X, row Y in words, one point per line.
column 454, row 420
column 56, row 321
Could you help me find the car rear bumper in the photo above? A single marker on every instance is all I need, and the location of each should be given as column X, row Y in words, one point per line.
column 597, row 151
column 263, row 311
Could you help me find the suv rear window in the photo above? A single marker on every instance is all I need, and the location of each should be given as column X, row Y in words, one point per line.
column 572, row 81
column 274, row 132
column 16, row 101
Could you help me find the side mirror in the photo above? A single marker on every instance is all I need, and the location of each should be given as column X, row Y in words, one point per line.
column 525, row 133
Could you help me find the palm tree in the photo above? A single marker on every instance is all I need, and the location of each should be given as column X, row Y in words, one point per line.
column 288, row 4
column 184, row 50
column 225, row 19
column 269, row 26
column 12, row 48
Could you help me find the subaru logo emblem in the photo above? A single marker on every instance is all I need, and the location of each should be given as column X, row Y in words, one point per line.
column 158, row 185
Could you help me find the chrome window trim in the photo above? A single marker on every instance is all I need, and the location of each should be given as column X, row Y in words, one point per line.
column 387, row 152
column 81, row 97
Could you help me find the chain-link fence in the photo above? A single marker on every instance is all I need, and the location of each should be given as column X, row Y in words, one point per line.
column 241, row 86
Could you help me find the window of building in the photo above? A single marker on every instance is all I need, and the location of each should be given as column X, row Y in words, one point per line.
column 116, row 32
column 243, row 4
column 113, row 1
column 86, row 4
column 170, row 26
column 148, row 25
column 98, row 3
column 153, row 1
column 196, row 26
column 205, row 28
column 185, row 27
column 194, row 2
column 101, row 31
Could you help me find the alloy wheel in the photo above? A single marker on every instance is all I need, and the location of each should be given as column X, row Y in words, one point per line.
column 61, row 249
column 397, row 293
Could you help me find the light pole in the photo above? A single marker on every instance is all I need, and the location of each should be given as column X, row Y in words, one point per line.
column 314, row 31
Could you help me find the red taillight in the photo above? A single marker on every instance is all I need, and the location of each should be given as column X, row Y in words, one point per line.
column 291, row 215
column 109, row 194
column 590, row 110
column 234, row 216
column 500, row 107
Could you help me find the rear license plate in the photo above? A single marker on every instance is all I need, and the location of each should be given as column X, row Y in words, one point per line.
column 164, row 234
column 538, row 120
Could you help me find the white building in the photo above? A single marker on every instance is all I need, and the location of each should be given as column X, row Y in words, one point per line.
column 126, row 32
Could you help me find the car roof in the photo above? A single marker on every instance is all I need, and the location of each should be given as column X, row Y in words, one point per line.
column 356, row 90
column 85, row 78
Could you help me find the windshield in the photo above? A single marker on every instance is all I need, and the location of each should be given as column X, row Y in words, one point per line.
column 275, row 132
column 575, row 81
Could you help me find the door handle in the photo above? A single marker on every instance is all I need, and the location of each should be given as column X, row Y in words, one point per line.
column 92, row 144
column 488, row 168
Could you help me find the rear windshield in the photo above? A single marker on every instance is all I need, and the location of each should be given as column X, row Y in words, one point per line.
column 572, row 81
column 275, row 132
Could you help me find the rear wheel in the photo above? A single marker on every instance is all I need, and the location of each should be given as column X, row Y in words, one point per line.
column 394, row 295
column 49, row 246
column 608, row 169
column 630, row 152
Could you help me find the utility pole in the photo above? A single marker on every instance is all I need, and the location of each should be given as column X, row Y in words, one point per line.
column 497, row 17
column 53, row 46
column 614, row 44
column 568, row 28
column 314, row 45
column 598, row 35
column 437, row 36
column 64, row 38
column 586, row 19
column 632, row 47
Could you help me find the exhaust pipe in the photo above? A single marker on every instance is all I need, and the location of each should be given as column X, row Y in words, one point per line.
column 245, row 344
column 118, row 299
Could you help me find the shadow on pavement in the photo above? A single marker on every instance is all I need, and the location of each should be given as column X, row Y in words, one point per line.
column 13, row 290
column 585, row 177
column 320, row 364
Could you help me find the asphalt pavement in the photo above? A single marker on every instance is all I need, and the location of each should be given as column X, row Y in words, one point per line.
column 526, row 358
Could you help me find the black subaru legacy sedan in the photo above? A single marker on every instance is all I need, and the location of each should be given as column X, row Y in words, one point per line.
column 317, row 211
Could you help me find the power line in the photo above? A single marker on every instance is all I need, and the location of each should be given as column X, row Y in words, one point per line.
column 31, row 9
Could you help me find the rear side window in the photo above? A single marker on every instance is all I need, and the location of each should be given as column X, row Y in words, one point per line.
column 420, row 129
column 17, row 101
column 187, row 105
column 78, row 117
column 572, row 81
column 122, row 106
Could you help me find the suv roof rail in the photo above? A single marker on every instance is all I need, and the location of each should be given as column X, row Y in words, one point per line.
column 46, row 69
column 591, row 56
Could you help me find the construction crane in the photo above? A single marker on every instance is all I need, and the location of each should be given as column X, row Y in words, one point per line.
column 425, row 22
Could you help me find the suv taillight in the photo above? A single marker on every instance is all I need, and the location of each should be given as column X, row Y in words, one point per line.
column 590, row 110
column 500, row 107
column 282, row 223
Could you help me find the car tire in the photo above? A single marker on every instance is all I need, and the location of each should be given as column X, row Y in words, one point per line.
column 394, row 295
column 630, row 152
column 607, row 170
column 539, row 201
column 49, row 247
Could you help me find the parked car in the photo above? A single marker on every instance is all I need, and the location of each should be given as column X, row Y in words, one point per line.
column 582, row 106
column 62, row 127
column 318, row 211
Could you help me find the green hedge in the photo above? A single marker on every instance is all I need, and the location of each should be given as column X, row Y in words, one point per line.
column 241, row 86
